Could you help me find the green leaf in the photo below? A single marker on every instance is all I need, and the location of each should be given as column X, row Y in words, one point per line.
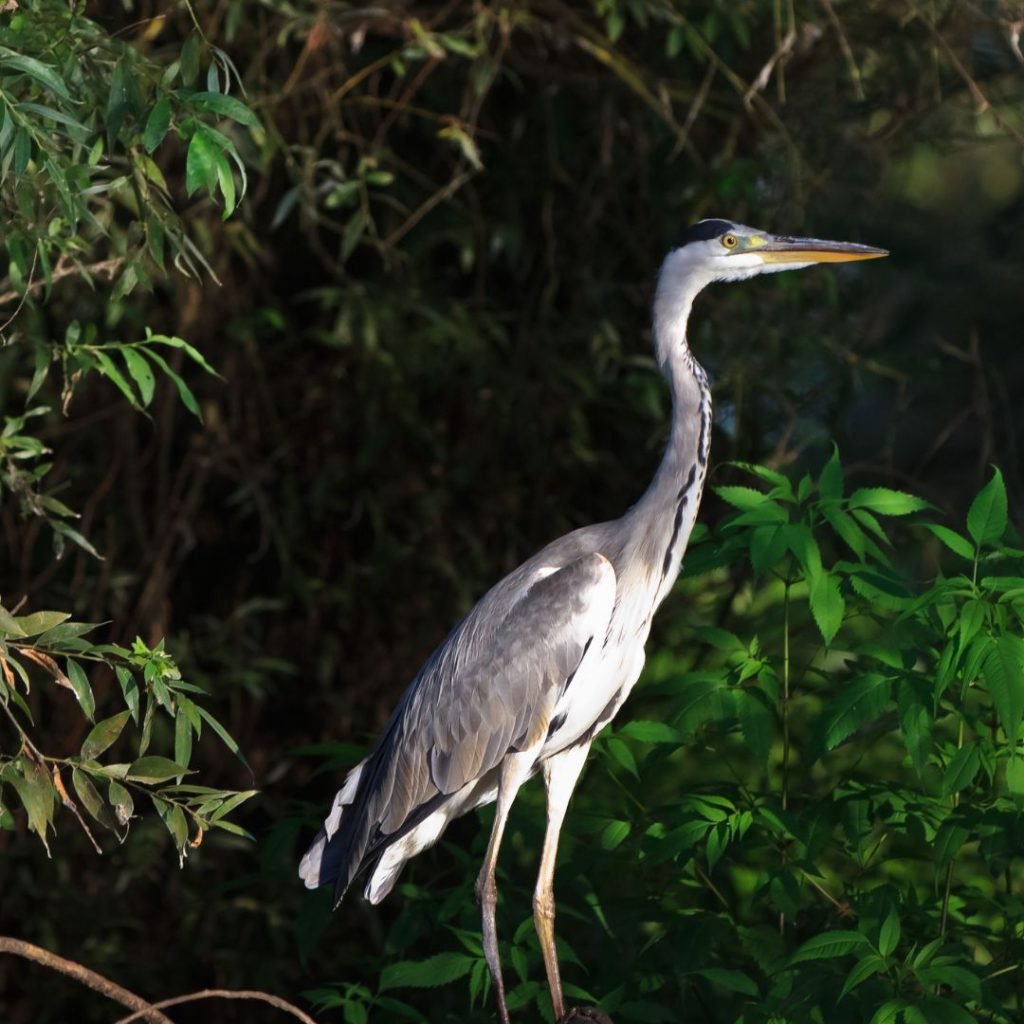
column 731, row 981
column 622, row 755
column 111, row 372
column 962, row 980
column 949, row 840
column 718, row 841
column 130, row 690
column 63, row 632
column 154, row 769
column 227, row 185
column 987, row 517
column 190, row 350
column 827, row 604
column 222, row 733
column 651, row 732
column 190, row 59
column 9, row 624
column 859, row 701
column 830, row 483
column 942, row 1011
column 36, row 70
column 201, row 164
column 757, row 721
column 915, row 710
column 1015, row 775
column 743, row 498
column 186, row 396
column 141, row 373
column 954, row 541
column 182, row 738
column 37, row 622
column 888, row 1012
column 430, row 973
column 614, row 833
column 157, row 123
column 224, row 106
column 865, row 968
column 889, row 935
column 829, row 945
column 103, row 735
column 972, row 618
column 173, row 818
column 74, row 536
column 1003, row 671
column 961, row 770
column 847, row 530
column 121, row 800
column 767, row 547
column 83, row 691
column 34, row 787
column 91, row 799
column 801, row 541
column 884, row 501
column 231, row 802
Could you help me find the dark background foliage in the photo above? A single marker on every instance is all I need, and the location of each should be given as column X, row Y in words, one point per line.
column 431, row 326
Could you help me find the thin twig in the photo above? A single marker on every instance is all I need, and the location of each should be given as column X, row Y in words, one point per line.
column 61, row 270
column 221, row 993
column 425, row 207
column 847, row 50
column 84, row 976
column 984, row 104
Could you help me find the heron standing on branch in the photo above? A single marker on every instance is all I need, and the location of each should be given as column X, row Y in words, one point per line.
column 546, row 658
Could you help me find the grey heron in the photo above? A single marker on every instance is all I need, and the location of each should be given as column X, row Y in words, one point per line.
column 546, row 658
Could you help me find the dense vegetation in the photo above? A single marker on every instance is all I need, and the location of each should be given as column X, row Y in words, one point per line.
column 316, row 318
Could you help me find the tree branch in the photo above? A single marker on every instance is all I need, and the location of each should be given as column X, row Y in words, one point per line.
column 221, row 993
column 143, row 1010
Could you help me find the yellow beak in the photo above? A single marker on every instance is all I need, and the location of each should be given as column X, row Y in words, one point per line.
column 778, row 249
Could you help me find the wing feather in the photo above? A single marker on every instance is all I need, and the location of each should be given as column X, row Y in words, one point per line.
column 490, row 688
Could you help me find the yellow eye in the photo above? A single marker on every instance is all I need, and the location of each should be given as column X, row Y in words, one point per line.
column 729, row 241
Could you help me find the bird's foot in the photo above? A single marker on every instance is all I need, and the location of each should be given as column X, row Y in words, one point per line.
column 580, row 1014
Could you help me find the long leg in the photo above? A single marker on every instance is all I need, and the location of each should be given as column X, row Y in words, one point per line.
column 514, row 772
column 560, row 775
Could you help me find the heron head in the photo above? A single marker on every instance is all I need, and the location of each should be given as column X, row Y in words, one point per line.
column 719, row 250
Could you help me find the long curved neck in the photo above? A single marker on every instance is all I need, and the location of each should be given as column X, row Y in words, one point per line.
column 659, row 524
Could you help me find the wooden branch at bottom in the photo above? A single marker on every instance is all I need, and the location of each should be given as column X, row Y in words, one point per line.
column 143, row 1010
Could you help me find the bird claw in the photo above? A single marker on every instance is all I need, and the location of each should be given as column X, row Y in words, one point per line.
column 579, row 1014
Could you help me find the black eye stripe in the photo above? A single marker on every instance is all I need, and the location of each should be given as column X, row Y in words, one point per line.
column 705, row 230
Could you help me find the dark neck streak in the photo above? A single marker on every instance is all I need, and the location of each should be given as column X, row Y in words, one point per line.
column 659, row 525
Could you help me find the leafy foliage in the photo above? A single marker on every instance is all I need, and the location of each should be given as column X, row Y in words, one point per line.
column 82, row 114
column 151, row 688
column 790, row 883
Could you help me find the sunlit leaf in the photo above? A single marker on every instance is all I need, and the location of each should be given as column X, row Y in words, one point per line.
column 987, row 516
column 155, row 769
column 140, row 372
column 157, row 123
column 103, row 735
column 828, row 945
column 886, row 502
column 436, row 970
column 83, row 691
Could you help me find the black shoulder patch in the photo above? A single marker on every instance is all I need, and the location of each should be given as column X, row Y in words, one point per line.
column 703, row 230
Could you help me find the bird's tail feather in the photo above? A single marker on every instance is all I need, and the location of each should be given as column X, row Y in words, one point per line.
column 330, row 856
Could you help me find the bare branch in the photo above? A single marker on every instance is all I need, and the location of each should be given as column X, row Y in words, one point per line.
column 143, row 1010
column 222, row 993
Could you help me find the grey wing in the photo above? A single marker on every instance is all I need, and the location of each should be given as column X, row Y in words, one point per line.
column 490, row 688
